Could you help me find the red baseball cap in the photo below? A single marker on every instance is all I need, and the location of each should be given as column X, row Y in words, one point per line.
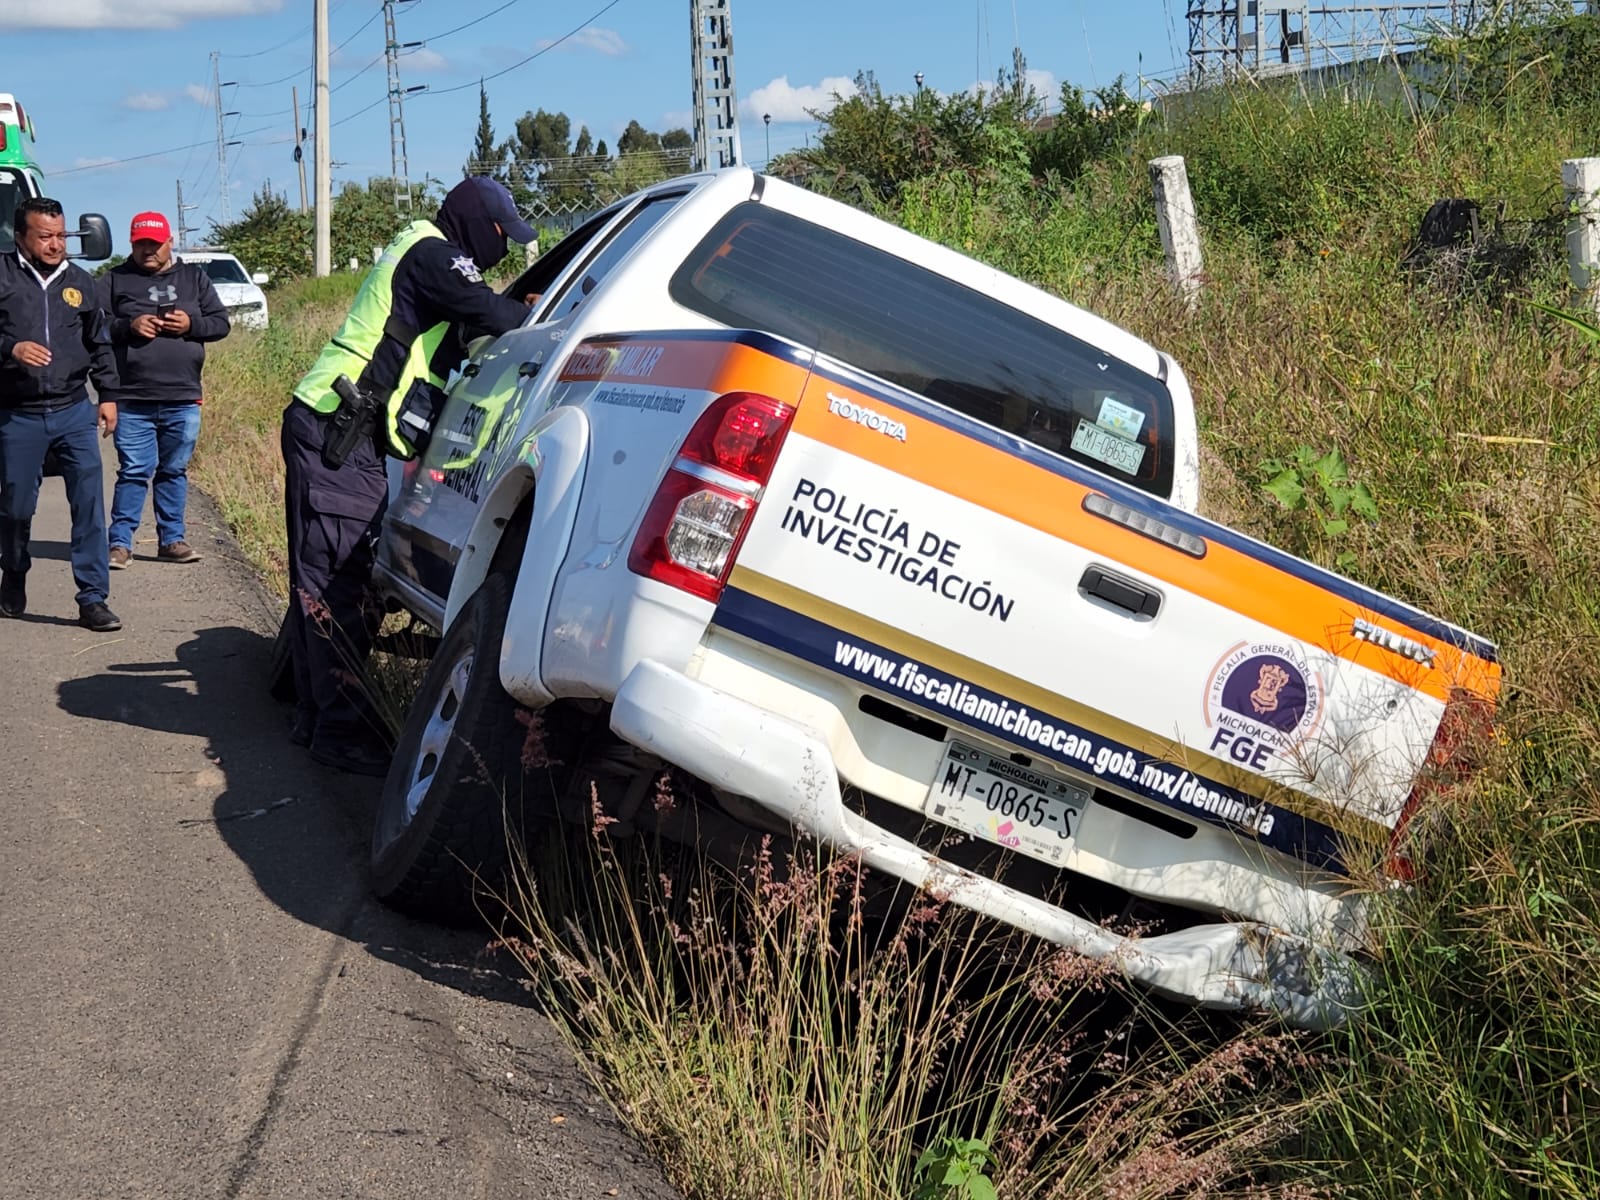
column 150, row 227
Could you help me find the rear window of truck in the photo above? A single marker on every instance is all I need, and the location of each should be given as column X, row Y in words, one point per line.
column 768, row 270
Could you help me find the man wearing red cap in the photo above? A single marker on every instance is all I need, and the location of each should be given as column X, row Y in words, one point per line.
column 163, row 312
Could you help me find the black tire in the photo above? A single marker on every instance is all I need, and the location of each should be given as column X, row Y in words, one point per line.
column 280, row 671
column 439, row 840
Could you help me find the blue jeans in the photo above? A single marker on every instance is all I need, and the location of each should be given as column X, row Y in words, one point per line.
column 154, row 441
column 71, row 431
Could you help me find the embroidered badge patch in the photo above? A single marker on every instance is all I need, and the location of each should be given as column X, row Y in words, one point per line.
column 467, row 267
column 72, row 296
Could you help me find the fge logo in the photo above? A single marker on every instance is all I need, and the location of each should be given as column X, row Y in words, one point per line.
column 1262, row 699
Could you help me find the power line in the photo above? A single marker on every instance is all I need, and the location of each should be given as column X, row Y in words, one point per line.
column 294, row 37
column 359, row 73
column 359, row 111
column 274, row 82
column 306, row 70
column 117, row 162
column 475, row 20
column 358, row 31
column 536, row 54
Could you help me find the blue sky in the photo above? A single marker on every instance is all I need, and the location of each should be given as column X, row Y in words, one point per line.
column 109, row 80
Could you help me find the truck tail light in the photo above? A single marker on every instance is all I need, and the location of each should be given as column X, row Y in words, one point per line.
column 1464, row 732
column 692, row 529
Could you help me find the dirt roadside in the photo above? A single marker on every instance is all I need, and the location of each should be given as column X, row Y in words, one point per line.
column 198, row 997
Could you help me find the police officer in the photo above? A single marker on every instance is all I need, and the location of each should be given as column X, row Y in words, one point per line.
column 408, row 327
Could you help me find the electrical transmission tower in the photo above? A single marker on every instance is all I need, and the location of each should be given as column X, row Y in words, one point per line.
column 1266, row 37
column 222, row 138
column 184, row 228
column 716, row 109
column 397, row 118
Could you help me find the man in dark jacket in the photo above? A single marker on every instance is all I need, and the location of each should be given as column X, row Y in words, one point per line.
column 403, row 335
column 52, row 336
column 163, row 311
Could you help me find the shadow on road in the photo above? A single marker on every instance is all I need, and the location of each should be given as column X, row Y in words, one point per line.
column 300, row 829
column 35, row 618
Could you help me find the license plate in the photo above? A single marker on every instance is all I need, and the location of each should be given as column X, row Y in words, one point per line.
column 1004, row 803
column 1108, row 448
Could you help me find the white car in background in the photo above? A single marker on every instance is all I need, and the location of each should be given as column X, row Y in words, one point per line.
column 239, row 290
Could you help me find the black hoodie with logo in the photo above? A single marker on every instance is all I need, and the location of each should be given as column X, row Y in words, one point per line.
column 58, row 310
column 164, row 369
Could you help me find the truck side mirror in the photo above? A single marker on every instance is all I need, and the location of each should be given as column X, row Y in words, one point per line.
column 96, row 235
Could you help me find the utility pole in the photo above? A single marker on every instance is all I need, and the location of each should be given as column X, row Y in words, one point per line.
column 184, row 228
column 397, row 93
column 222, row 138
column 397, row 119
column 716, row 111
column 322, row 258
column 299, row 148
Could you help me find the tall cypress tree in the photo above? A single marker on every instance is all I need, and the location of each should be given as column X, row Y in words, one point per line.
column 486, row 156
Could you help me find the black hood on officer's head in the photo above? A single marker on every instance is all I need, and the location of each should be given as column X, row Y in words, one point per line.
column 465, row 222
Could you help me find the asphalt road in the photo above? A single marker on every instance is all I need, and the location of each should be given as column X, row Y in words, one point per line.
column 198, row 998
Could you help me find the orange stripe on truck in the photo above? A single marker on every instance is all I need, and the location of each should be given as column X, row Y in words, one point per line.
column 1031, row 495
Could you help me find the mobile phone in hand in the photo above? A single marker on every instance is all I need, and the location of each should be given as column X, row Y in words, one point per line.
column 163, row 311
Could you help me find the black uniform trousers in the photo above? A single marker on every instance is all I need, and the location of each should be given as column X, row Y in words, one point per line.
column 25, row 439
column 333, row 519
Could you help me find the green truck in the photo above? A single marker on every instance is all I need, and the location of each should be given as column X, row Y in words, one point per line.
column 21, row 178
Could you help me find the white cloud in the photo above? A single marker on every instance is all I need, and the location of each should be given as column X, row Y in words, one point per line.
column 118, row 14
column 199, row 93
column 789, row 103
column 146, row 101
column 600, row 41
column 423, row 59
column 680, row 118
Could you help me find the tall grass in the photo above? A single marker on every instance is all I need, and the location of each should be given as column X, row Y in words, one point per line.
column 789, row 1030
column 767, row 1042
column 249, row 377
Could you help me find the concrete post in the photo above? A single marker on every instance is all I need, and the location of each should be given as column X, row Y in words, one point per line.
column 1580, row 178
column 1180, row 230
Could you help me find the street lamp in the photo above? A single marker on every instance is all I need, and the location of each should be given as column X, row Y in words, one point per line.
column 766, row 119
column 919, row 82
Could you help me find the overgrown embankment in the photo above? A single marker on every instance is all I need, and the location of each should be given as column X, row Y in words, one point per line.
column 249, row 378
column 778, row 1061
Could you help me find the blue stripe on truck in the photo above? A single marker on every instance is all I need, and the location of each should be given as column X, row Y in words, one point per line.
column 988, row 713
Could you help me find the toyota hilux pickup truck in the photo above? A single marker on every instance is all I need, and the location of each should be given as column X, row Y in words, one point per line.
column 882, row 548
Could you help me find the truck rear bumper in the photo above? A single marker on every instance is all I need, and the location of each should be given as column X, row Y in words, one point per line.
column 752, row 752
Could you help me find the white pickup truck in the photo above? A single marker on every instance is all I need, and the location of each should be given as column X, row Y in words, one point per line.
column 882, row 547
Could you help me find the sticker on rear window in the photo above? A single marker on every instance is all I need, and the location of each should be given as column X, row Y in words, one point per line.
column 1106, row 447
column 1119, row 418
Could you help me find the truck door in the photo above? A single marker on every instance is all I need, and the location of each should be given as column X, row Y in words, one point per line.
column 498, row 395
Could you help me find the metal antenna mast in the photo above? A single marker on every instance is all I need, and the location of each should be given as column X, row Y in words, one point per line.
column 222, row 137
column 397, row 117
column 1274, row 37
column 716, row 110
column 184, row 228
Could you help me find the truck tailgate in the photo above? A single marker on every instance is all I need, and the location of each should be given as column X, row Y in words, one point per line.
column 1085, row 632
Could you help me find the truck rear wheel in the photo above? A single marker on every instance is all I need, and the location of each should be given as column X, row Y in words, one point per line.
column 440, row 839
